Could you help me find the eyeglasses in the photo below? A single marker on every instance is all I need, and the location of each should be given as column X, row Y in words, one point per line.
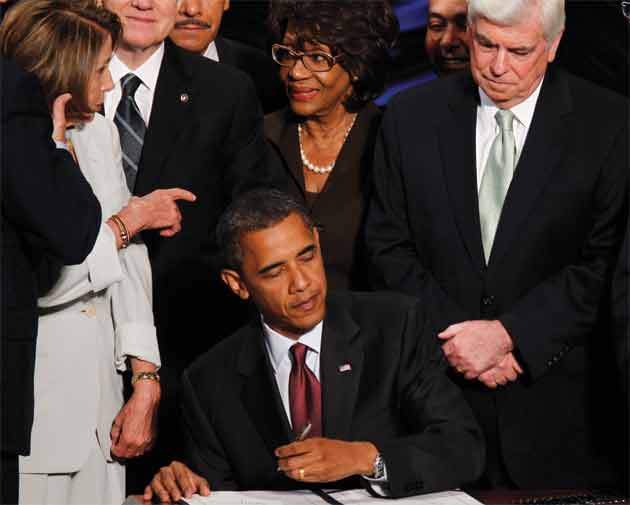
column 315, row 61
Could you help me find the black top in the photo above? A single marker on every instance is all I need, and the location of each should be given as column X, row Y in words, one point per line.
column 338, row 209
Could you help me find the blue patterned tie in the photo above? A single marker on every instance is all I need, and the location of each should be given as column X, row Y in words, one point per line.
column 131, row 128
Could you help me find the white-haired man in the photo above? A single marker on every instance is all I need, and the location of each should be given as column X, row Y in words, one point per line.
column 503, row 209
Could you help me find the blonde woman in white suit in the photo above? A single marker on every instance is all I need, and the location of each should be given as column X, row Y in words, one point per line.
column 96, row 321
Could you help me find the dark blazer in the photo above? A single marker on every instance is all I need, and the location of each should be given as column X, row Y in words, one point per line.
column 205, row 135
column 396, row 395
column 339, row 208
column 263, row 71
column 557, row 238
column 48, row 210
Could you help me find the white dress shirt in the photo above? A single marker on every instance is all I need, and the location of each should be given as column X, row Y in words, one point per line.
column 279, row 351
column 211, row 52
column 488, row 129
column 147, row 72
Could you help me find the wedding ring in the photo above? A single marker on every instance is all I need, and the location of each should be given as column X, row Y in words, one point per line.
column 301, row 473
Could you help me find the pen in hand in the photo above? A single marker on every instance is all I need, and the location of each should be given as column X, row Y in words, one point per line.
column 303, row 434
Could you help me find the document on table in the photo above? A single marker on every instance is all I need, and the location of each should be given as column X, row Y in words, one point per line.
column 345, row 497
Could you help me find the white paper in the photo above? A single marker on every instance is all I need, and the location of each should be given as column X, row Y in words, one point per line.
column 362, row 497
column 347, row 497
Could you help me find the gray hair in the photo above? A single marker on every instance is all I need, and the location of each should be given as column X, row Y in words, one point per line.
column 254, row 210
column 508, row 12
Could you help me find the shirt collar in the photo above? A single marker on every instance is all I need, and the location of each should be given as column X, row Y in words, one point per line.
column 211, row 52
column 278, row 345
column 523, row 112
column 147, row 72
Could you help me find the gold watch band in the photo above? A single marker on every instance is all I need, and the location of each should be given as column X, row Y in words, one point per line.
column 148, row 376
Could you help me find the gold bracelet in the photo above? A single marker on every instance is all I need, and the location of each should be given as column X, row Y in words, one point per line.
column 124, row 234
column 149, row 376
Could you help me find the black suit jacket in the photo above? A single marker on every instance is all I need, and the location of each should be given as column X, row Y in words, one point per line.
column 48, row 213
column 396, row 395
column 338, row 210
column 263, row 71
column 205, row 135
column 558, row 235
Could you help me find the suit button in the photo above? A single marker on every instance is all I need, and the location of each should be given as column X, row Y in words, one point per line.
column 549, row 363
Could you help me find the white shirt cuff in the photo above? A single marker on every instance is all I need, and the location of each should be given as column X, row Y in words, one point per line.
column 138, row 340
column 379, row 486
column 103, row 263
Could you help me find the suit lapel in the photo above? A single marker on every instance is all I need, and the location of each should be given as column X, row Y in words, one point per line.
column 542, row 152
column 174, row 94
column 456, row 138
column 341, row 368
column 259, row 386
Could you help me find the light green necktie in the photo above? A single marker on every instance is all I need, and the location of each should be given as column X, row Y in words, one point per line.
column 496, row 179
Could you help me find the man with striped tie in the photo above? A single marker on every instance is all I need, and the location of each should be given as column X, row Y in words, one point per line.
column 184, row 121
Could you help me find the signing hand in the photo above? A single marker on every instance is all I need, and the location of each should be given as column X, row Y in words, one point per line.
column 506, row 371
column 174, row 482
column 472, row 347
column 157, row 210
column 134, row 429
column 325, row 460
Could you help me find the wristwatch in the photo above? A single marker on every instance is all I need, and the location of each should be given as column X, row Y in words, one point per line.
column 140, row 376
column 379, row 467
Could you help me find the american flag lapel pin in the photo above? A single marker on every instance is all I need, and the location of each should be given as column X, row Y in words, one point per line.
column 346, row 367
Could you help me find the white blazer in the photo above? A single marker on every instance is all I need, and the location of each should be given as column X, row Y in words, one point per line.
column 97, row 314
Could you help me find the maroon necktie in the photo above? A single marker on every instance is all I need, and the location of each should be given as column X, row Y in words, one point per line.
column 305, row 396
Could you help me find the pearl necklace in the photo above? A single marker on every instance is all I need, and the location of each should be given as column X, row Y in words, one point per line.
column 326, row 169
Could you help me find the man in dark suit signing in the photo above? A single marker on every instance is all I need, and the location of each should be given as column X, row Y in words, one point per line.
column 197, row 30
column 48, row 212
column 362, row 371
column 499, row 200
column 188, row 122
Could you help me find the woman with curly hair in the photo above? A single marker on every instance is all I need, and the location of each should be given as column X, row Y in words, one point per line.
column 333, row 59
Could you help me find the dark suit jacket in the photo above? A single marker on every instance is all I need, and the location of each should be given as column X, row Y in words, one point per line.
column 263, row 71
column 212, row 144
column 396, row 395
column 555, row 243
column 339, row 208
column 48, row 209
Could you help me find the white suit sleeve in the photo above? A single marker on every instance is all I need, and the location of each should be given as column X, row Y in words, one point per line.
column 100, row 270
column 132, row 296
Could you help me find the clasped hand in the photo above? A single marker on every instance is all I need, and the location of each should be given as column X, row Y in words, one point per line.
column 481, row 350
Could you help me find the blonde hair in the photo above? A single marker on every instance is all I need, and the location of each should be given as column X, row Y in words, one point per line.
column 59, row 41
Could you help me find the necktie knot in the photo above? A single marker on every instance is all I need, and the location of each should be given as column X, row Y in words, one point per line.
column 129, row 84
column 504, row 119
column 299, row 353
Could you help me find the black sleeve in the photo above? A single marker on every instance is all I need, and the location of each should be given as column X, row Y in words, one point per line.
column 203, row 452
column 445, row 446
column 250, row 162
column 44, row 194
column 391, row 248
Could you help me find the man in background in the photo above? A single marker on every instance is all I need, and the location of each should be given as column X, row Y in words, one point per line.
column 197, row 30
column 446, row 40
